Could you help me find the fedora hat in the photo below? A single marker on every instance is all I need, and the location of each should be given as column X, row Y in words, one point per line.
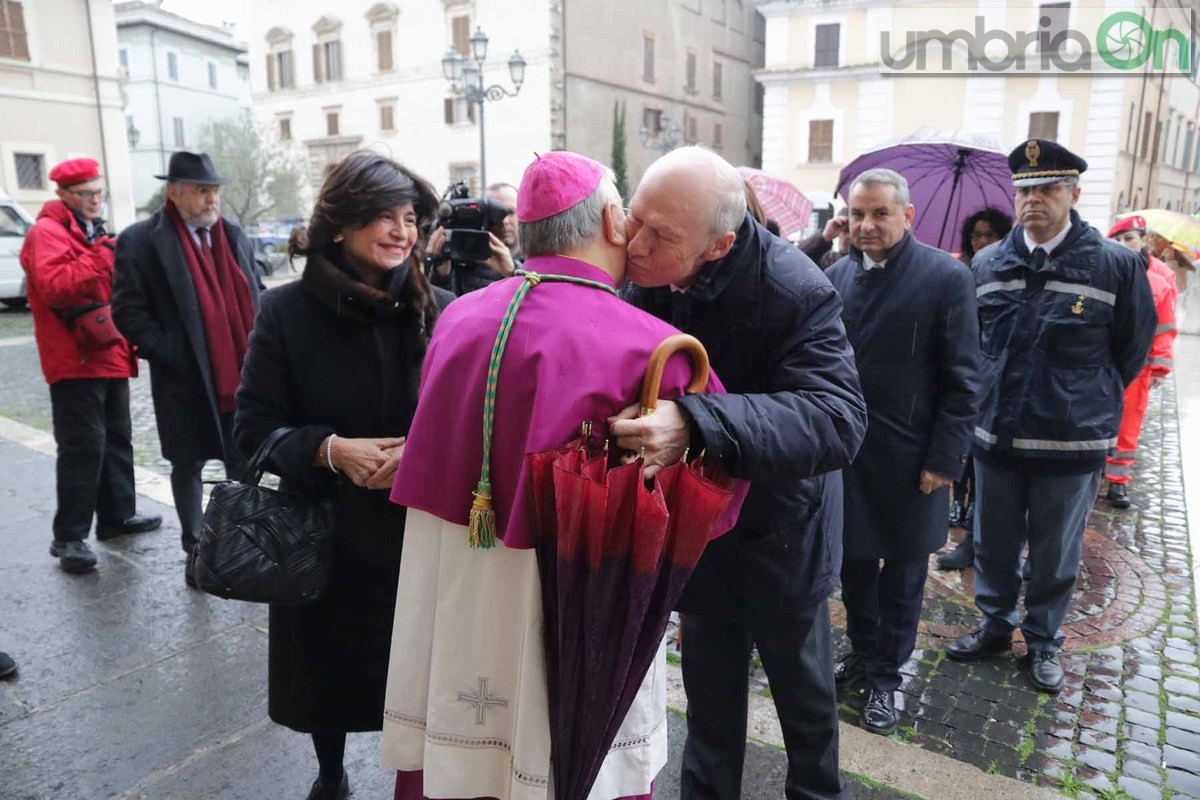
column 192, row 168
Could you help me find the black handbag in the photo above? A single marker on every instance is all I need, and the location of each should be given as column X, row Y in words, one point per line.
column 261, row 545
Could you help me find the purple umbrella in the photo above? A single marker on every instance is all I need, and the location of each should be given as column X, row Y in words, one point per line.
column 951, row 175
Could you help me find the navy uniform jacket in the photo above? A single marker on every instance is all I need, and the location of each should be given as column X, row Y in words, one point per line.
column 1060, row 344
column 915, row 334
column 793, row 418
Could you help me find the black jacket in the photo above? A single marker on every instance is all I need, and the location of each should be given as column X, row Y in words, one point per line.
column 1060, row 344
column 329, row 356
column 915, row 333
column 154, row 306
column 793, row 417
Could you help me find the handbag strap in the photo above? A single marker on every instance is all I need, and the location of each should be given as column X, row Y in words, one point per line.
column 257, row 464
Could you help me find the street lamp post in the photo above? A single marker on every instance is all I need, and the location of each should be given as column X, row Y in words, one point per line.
column 465, row 74
column 668, row 137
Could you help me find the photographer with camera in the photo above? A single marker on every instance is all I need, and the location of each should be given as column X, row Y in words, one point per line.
column 475, row 242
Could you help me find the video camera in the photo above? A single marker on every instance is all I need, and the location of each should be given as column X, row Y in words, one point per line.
column 467, row 221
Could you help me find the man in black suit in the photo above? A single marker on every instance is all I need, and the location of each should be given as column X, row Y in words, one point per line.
column 909, row 311
column 184, row 295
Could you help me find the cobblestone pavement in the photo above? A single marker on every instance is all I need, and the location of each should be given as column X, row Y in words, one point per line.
column 1127, row 725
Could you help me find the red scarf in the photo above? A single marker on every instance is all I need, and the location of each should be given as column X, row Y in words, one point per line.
column 225, row 305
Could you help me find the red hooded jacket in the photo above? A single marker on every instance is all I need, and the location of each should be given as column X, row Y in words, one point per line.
column 64, row 269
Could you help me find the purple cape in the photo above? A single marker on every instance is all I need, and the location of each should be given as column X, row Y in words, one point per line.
column 575, row 354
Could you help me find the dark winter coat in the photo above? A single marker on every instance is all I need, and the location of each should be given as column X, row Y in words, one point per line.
column 793, row 417
column 1060, row 344
column 155, row 307
column 329, row 355
column 915, row 334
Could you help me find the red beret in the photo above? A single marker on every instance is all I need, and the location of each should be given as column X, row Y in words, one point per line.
column 1130, row 223
column 75, row 170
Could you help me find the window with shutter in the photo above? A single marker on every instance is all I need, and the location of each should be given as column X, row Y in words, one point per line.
column 825, row 50
column 333, row 60
column 1052, row 25
column 461, row 32
column 318, row 64
column 448, row 110
column 690, row 73
column 648, row 57
column 212, row 75
column 177, row 123
column 285, row 129
column 717, row 136
column 287, row 72
column 14, row 42
column 31, row 170
column 718, row 80
column 652, row 120
column 331, row 123
column 270, row 72
column 387, row 117
column 1044, row 125
column 1148, row 124
column 383, row 41
column 820, row 141
column 172, row 66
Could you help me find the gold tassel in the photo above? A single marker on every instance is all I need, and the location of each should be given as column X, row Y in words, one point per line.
column 481, row 530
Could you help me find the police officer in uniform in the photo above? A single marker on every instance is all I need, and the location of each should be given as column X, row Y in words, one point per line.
column 1066, row 319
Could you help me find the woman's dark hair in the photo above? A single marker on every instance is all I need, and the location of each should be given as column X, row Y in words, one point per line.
column 1000, row 222
column 358, row 189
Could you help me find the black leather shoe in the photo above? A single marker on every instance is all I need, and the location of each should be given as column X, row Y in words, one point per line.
column 7, row 666
column 849, row 670
column 1118, row 495
column 138, row 523
column 961, row 557
column 968, row 517
column 322, row 790
column 979, row 644
column 879, row 714
column 1045, row 673
column 74, row 557
column 956, row 514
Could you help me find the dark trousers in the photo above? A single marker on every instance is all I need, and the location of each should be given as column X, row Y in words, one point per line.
column 797, row 653
column 1047, row 511
column 883, row 609
column 187, row 485
column 95, row 455
column 965, row 486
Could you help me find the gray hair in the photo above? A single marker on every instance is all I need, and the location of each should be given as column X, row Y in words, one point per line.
column 572, row 228
column 882, row 176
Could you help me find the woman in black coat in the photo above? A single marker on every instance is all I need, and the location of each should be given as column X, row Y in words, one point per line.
column 337, row 356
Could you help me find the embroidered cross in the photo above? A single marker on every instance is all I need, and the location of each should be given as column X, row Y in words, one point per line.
column 481, row 700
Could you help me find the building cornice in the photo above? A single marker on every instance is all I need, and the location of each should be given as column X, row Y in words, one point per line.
column 788, row 76
column 807, row 8
column 134, row 15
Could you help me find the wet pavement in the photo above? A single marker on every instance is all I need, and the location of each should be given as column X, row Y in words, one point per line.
column 1127, row 725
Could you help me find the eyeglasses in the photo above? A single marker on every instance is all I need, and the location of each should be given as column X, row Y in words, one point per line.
column 91, row 194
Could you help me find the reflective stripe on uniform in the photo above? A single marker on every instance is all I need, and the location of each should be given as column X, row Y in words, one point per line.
column 1063, row 446
column 1120, row 455
column 1161, row 361
column 1170, row 326
column 999, row 286
column 1118, row 470
column 980, row 433
column 1082, row 289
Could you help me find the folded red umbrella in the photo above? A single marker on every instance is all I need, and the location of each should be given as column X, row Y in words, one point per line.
column 614, row 552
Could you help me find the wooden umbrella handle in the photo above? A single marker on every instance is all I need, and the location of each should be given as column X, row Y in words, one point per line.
column 658, row 362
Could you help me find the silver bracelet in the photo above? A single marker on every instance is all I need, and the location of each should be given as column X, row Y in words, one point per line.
column 329, row 453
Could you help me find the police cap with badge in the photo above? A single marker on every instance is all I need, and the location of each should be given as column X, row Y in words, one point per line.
column 1040, row 161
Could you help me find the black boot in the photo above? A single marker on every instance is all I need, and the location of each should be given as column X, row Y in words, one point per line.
column 1118, row 495
column 849, row 670
column 979, row 644
column 961, row 557
column 879, row 714
column 328, row 790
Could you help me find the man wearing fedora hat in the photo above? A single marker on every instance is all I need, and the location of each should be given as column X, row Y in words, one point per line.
column 1066, row 319
column 184, row 295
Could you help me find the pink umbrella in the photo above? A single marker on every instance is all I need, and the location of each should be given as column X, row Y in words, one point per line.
column 781, row 201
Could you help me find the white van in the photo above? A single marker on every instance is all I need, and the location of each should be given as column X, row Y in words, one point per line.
column 14, row 224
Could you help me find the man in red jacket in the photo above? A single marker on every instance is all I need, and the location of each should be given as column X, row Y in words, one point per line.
column 68, row 261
